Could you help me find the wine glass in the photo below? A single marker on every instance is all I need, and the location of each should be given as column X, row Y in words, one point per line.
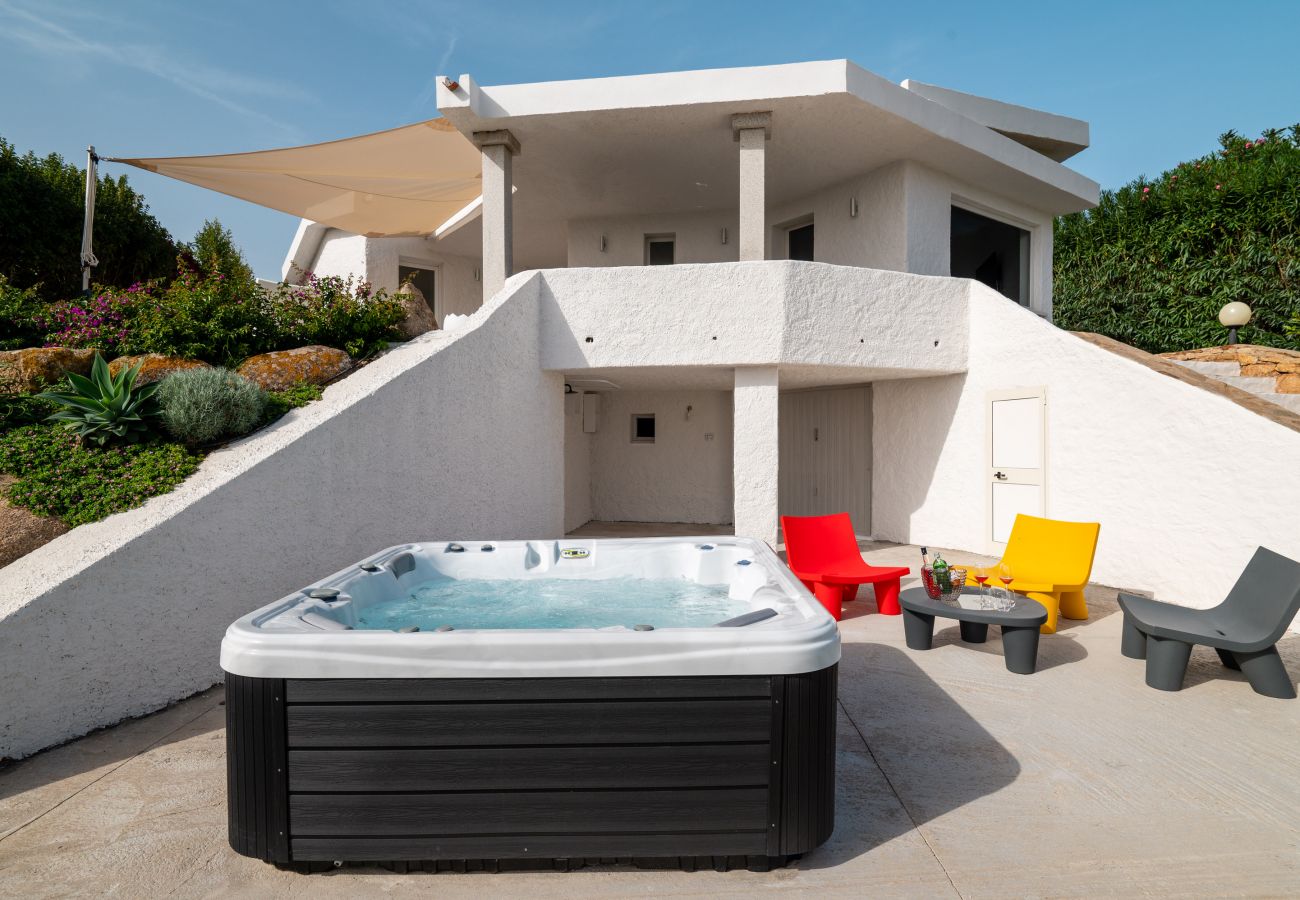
column 981, row 574
column 1005, row 576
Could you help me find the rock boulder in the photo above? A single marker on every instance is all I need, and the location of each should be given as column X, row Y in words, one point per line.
column 36, row 368
column 282, row 369
column 419, row 316
column 154, row 366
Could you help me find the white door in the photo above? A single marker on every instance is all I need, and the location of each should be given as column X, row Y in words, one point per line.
column 825, row 454
column 1017, row 460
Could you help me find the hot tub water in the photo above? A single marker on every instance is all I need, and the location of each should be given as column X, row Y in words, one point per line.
column 526, row 603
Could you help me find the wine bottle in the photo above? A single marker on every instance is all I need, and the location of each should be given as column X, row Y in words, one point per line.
column 941, row 574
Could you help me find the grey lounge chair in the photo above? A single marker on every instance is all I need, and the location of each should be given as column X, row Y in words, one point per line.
column 1243, row 629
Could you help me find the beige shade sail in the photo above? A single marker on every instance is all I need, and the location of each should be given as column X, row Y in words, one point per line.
column 405, row 181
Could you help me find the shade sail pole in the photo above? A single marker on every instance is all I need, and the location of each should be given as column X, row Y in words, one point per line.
column 88, row 260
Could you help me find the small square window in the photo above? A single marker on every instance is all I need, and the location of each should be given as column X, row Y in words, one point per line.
column 643, row 428
column 659, row 249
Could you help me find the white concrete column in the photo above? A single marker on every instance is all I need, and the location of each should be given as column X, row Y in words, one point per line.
column 499, row 150
column 755, row 452
column 752, row 131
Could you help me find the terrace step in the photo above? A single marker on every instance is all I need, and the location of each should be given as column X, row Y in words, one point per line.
column 1265, row 388
column 1213, row 369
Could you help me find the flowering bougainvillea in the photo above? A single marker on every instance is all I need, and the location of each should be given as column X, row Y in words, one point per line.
column 1157, row 259
column 99, row 321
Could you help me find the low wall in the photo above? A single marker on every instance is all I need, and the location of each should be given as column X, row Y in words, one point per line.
column 1185, row 482
column 453, row 435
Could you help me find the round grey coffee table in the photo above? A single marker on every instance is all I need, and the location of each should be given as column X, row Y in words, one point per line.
column 1019, row 625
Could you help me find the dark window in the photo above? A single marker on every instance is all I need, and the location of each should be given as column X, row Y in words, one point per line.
column 659, row 251
column 643, row 428
column 801, row 242
column 992, row 253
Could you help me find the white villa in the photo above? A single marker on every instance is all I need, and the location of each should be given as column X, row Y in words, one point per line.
column 705, row 297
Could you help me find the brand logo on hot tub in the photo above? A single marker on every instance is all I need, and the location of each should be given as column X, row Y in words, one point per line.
column 574, row 553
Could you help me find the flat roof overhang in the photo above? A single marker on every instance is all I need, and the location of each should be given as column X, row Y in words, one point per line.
column 662, row 143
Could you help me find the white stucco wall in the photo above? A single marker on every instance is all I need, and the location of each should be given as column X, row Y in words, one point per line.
column 684, row 476
column 698, row 238
column 377, row 260
column 577, row 465
column 875, row 238
column 453, row 435
column 1186, row 484
column 752, row 313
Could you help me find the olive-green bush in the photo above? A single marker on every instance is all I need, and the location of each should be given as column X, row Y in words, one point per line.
column 200, row 406
column 1157, row 259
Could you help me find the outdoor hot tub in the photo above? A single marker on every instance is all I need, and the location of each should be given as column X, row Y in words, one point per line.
column 666, row 701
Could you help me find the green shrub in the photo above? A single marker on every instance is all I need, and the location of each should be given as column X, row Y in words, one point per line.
column 20, row 312
column 57, row 476
column 105, row 407
column 202, row 315
column 280, row 402
column 1156, row 260
column 200, row 406
column 41, row 218
column 336, row 312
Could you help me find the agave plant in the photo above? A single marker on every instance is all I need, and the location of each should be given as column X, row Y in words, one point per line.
column 105, row 407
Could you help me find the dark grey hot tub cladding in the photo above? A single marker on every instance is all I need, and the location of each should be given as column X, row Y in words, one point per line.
column 748, row 618
column 402, row 563
column 327, row 594
column 714, row 772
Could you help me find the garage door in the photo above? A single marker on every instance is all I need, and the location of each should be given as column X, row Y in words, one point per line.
column 825, row 449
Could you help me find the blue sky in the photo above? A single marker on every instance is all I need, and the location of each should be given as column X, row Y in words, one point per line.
column 1159, row 81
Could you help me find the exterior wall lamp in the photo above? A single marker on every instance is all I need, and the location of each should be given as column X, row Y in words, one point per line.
column 853, row 207
column 723, row 235
column 1233, row 316
column 603, row 244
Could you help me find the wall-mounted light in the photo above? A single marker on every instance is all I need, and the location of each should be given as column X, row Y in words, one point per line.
column 689, row 408
column 724, row 235
column 451, row 84
column 1233, row 316
column 477, row 273
column 853, row 207
column 604, row 245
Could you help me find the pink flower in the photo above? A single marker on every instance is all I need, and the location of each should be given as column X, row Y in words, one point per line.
column 1249, row 145
column 1146, row 190
column 1217, row 186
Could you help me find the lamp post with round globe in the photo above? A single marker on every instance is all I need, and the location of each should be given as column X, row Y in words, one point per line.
column 1233, row 316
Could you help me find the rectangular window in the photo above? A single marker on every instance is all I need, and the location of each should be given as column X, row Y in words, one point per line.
column 800, row 243
column 991, row 252
column 659, row 249
column 643, row 428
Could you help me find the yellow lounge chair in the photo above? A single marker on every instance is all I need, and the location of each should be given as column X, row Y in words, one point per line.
column 1051, row 562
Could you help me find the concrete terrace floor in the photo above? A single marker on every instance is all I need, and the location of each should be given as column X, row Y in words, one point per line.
column 955, row 778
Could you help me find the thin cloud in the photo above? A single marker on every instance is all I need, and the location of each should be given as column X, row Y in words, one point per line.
column 421, row 102
column 42, row 34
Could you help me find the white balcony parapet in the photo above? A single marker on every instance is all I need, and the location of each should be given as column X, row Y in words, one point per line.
column 782, row 313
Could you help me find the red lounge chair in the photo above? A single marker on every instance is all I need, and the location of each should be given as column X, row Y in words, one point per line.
column 823, row 553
